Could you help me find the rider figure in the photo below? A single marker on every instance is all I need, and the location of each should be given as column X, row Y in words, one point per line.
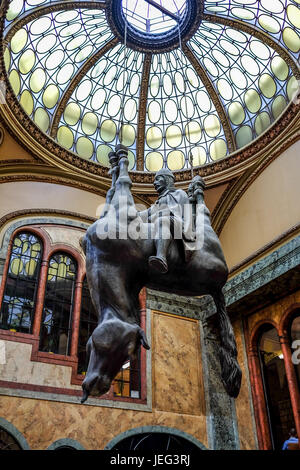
column 171, row 215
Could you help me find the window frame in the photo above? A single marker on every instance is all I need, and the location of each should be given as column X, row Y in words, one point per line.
column 71, row 360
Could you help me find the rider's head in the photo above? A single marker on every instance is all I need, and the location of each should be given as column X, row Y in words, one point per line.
column 164, row 179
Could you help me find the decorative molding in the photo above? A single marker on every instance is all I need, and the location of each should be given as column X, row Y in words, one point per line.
column 42, row 212
column 214, row 97
column 1, row 135
column 141, row 129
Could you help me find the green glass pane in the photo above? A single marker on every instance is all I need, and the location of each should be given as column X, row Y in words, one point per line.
column 243, row 136
column 236, row 113
column 50, row 96
column 278, row 106
column 26, row 61
column 14, row 79
column 267, row 85
column 262, row 122
column 252, row 101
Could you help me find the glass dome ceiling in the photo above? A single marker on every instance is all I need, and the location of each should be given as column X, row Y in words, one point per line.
column 184, row 81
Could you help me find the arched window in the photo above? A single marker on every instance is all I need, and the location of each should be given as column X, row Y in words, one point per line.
column 279, row 407
column 7, row 441
column 56, row 326
column 88, row 322
column 17, row 309
column 295, row 344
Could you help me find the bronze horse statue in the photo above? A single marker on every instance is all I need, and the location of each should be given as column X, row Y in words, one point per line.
column 117, row 269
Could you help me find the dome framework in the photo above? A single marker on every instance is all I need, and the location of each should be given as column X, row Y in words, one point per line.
column 234, row 76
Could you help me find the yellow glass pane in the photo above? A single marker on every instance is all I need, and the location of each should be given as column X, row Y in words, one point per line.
column 292, row 88
column 193, row 132
column 25, row 247
column 293, row 13
column 7, row 59
column 176, row 160
column 212, row 126
column 102, row 155
column 131, row 159
column 37, row 80
column 17, row 242
column 26, row 61
column 14, row 9
column 108, row 130
column 26, row 102
column 154, row 161
column 89, row 123
column 84, row 147
column 198, row 156
column 127, row 135
column 267, row 85
column 218, row 149
column 15, row 81
column 50, row 96
column 236, row 113
column 269, row 23
column 30, row 267
column 16, row 266
column 262, row 122
column 280, row 68
column 174, row 136
column 19, row 40
column 72, row 114
column 278, row 106
column 252, row 101
column 65, row 137
column 154, row 137
column 291, row 39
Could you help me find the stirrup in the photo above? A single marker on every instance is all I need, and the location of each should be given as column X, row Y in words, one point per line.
column 159, row 264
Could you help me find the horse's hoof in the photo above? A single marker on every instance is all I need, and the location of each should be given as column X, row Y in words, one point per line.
column 159, row 264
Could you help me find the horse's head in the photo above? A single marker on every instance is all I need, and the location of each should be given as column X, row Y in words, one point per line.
column 111, row 344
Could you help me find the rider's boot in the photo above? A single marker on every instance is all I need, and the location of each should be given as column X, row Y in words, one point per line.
column 159, row 262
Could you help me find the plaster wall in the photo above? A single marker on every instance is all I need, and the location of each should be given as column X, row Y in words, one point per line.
column 11, row 150
column 28, row 195
column 267, row 209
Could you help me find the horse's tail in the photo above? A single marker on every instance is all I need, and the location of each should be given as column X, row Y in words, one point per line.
column 230, row 369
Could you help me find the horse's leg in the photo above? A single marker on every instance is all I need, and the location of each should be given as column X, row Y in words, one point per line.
column 114, row 172
column 230, row 369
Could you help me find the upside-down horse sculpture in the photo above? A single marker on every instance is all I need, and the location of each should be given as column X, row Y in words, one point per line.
column 122, row 258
